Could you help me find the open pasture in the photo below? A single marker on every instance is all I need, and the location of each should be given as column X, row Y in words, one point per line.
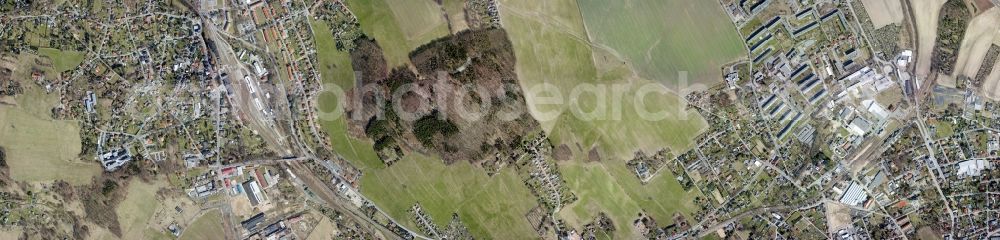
column 663, row 38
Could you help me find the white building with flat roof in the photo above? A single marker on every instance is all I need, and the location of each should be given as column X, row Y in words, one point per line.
column 972, row 168
column 855, row 195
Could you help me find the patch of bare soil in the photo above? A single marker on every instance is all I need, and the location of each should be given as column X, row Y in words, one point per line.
column 594, row 155
column 838, row 216
column 562, row 153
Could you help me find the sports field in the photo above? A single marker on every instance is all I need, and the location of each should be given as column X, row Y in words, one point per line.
column 399, row 26
column 664, row 37
column 491, row 207
column 208, row 226
column 40, row 148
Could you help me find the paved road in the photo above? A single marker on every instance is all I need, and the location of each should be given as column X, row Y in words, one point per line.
column 754, row 212
column 934, row 162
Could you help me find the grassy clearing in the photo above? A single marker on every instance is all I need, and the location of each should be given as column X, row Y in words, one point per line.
column 552, row 48
column 399, row 26
column 323, row 230
column 943, row 130
column 417, row 17
column 139, row 205
column 564, row 59
column 40, row 148
column 208, row 226
column 62, row 60
column 492, row 207
column 663, row 37
column 335, row 68
column 618, row 139
column 456, row 14
column 611, row 188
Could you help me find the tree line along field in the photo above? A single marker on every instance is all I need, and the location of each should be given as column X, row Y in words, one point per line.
column 488, row 206
column 399, row 25
column 926, row 14
column 552, row 46
column 976, row 47
column 335, row 70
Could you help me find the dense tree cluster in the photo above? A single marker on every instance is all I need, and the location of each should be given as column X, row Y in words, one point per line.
column 449, row 72
column 431, row 125
column 955, row 18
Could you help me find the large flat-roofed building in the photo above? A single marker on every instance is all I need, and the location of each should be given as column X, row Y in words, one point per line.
column 251, row 223
column 112, row 160
column 855, row 195
column 254, row 192
column 972, row 168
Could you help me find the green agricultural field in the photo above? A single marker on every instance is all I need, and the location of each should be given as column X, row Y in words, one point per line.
column 335, row 68
column 611, row 188
column 491, row 207
column 62, row 60
column 40, row 148
column 664, row 37
column 138, row 207
column 562, row 56
column 208, row 226
column 552, row 47
column 400, row 26
column 417, row 17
